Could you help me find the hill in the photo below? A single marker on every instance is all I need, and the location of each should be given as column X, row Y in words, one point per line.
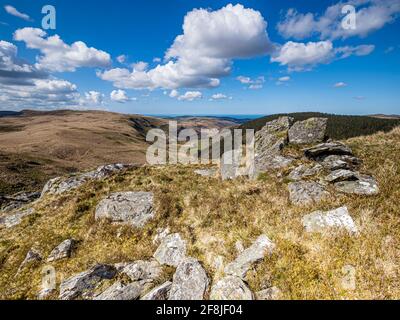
column 339, row 126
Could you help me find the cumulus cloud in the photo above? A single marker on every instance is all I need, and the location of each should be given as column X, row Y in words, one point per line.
column 190, row 96
column 93, row 97
column 340, row 85
column 200, row 56
column 140, row 66
column 253, row 84
column 119, row 96
column 299, row 56
column 14, row 12
column 121, row 58
column 174, row 94
column 371, row 15
column 58, row 56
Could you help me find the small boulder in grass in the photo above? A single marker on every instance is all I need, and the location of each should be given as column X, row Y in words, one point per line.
column 62, row 251
column 171, row 251
column 230, row 288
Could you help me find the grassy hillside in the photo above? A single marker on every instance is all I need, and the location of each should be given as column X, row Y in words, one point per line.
column 212, row 215
column 339, row 127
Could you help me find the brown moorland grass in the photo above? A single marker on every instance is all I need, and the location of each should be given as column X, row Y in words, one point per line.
column 212, row 215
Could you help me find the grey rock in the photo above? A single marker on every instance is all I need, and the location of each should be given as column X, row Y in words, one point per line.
column 272, row 162
column 61, row 185
column 326, row 149
column 272, row 293
column 190, row 281
column 85, row 282
column 121, row 292
column 159, row 293
column 303, row 192
column 62, row 251
column 171, row 251
column 320, row 221
column 305, row 171
column 341, row 175
column 14, row 219
column 18, row 200
column 309, row 131
column 365, row 185
column 255, row 253
column 230, row 288
column 206, row 172
column 146, row 271
column 132, row 208
column 33, row 255
column 336, row 162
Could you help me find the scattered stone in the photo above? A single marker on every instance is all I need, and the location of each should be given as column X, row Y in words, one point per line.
column 32, row 256
column 309, row 131
column 335, row 162
column 304, row 171
column 12, row 220
column 320, row 221
column 62, row 251
column 269, row 294
column 303, row 192
column 161, row 233
column 119, row 291
column 365, row 185
column 132, row 208
column 18, row 200
column 190, row 281
column 230, row 288
column 206, row 172
column 171, row 251
column 159, row 293
column 60, row 185
column 341, row 175
column 85, row 282
column 256, row 252
column 325, row 149
column 146, row 271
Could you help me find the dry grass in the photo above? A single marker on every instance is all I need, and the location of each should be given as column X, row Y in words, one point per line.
column 212, row 215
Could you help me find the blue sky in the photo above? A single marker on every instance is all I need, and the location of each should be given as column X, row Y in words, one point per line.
column 259, row 57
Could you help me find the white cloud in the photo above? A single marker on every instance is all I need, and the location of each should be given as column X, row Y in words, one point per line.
column 256, row 86
column 121, row 58
column 244, row 80
column 219, row 96
column 93, row 98
column 340, row 85
column 284, row 79
column 14, row 12
column 253, row 84
column 157, row 60
column 190, row 96
column 119, row 96
column 57, row 55
column 140, row 66
column 299, row 56
column 174, row 94
column 371, row 15
column 202, row 55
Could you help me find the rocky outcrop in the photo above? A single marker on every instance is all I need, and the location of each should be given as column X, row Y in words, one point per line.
column 306, row 192
column 320, row 151
column 159, row 293
column 362, row 185
column 304, row 171
column 337, row 162
column 121, row 292
column 312, row 130
column 256, row 252
column 61, row 185
column 33, row 255
column 230, row 288
column 320, row 221
column 171, row 251
column 83, row 284
column 18, row 200
column 190, row 281
column 146, row 271
column 11, row 220
column 341, row 175
column 131, row 208
column 62, row 251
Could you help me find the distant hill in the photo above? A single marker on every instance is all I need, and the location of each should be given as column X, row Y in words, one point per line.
column 9, row 113
column 339, row 126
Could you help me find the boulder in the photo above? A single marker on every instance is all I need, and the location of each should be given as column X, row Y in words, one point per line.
column 17, row 201
column 304, row 171
column 159, row 293
column 131, row 208
column 84, row 283
column 320, row 221
column 365, row 185
column 33, row 255
column 206, row 172
column 306, row 192
column 341, row 175
column 121, row 292
column 61, row 185
column 171, row 251
column 272, row 293
column 309, row 131
column 326, row 149
column 255, row 253
column 62, row 251
column 230, row 288
column 336, row 162
column 190, row 281
column 14, row 219
column 146, row 271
